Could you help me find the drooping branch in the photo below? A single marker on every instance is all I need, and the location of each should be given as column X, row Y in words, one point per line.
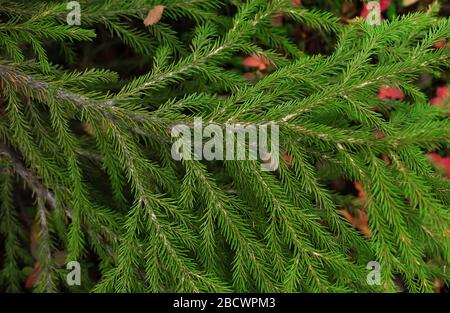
column 21, row 80
column 43, row 194
column 108, row 107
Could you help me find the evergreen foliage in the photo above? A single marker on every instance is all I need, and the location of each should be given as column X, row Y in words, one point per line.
column 92, row 150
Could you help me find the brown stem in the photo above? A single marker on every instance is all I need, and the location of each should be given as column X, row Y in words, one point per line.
column 32, row 181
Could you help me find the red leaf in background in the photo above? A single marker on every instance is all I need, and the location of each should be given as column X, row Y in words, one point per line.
column 363, row 223
column 387, row 92
column 348, row 217
column 436, row 101
column 278, row 20
column 32, row 278
column 288, row 159
column 386, row 159
column 297, row 2
column 378, row 134
column 360, row 221
column 435, row 158
column 447, row 233
column 441, row 96
column 442, row 92
column 384, row 4
column 154, row 15
column 443, row 163
column 361, row 192
column 256, row 61
column 440, row 44
column 364, row 11
column 254, row 76
column 250, row 76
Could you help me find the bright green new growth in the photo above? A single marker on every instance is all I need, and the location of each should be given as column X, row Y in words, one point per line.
column 163, row 225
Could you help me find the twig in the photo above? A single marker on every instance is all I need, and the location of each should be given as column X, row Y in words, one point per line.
column 32, row 181
column 108, row 108
column 44, row 195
